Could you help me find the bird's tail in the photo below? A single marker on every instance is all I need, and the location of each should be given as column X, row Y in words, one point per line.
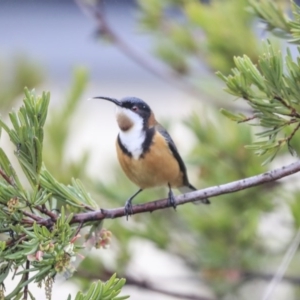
column 190, row 188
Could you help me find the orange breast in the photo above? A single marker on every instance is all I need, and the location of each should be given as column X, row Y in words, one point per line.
column 156, row 168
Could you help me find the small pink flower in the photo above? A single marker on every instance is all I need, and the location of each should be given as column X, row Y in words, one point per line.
column 98, row 239
column 104, row 239
column 38, row 256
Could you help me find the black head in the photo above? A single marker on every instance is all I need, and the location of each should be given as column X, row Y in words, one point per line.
column 136, row 105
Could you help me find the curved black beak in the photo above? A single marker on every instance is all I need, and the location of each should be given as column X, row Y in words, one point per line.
column 115, row 101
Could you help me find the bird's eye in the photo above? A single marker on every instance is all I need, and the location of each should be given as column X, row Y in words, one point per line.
column 134, row 108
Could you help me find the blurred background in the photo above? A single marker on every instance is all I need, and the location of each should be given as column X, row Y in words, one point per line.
column 165, row 52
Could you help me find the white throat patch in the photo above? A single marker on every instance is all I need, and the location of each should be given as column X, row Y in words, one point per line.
column 133, row 138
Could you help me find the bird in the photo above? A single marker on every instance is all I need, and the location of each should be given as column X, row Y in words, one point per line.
column 146, row 152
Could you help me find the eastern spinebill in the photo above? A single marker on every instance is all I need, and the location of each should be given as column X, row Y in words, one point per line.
column 146, row 151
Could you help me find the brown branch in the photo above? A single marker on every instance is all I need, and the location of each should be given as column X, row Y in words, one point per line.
column 289, row 138
column 88, row 207
column 25, row 278
column 12, row 242
column 291, row 121
column 248, row 119
column 293, row 132
column 28, row 222
column 210, row 192
column 6, row 178
column 32, row 216
column 284, row 103
column 78, row 229
column 46, row 212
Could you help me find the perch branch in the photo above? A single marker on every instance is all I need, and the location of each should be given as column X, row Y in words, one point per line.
column 191, row 197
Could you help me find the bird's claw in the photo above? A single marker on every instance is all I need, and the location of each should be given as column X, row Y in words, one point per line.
column 128, row 209
column 171, row 200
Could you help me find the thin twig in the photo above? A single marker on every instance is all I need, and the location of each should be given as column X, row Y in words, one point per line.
column 291, row 121
column 27, row 222
column 78, row 229
column 284, row 103
column 32, row 216
column 88, row 207
column 46, row 212
column 293, row 132
column 248, row 119
column 25, row 278
column 6, row 178
column 289, row 138
column 12, row 242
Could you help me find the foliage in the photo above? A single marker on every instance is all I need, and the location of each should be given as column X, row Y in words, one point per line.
column 37, row 243
column 99, row 290
column 196, row 33
column 272, row 94
column 271, row 88
column 272, row 14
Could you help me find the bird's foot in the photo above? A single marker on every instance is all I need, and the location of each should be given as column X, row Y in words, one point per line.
column 128, row 208
column 171, row 199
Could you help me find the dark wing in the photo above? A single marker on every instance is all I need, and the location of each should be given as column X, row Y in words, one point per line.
column 174, row 151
